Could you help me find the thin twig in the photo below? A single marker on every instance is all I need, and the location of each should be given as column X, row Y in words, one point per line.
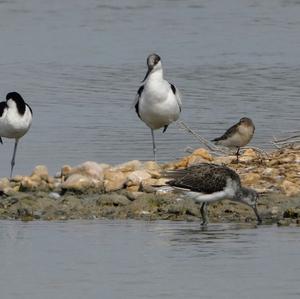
column 201, row 139
column 294, row 132
column 288, row 142
column 276, row 145
column 287, row 138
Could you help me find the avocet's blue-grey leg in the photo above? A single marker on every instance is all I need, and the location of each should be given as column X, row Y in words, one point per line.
column 203, row 211
column 153, row 144
column 13, row 158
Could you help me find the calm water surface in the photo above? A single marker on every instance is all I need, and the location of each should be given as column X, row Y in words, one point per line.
column 131, row 259
column 79, row 64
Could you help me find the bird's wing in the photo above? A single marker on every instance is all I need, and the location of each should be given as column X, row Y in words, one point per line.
column 29, row 108
column 177, row 95
column 228, row 133
column 204, row 178
column 3, row 105
column 136, row 100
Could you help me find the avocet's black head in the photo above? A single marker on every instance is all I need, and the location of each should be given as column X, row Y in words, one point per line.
column 14, row 96
column 152, row 61
column 17, row 98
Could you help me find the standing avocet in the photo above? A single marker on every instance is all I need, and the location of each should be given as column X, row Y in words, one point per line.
column 15, row 120
column 157, row 102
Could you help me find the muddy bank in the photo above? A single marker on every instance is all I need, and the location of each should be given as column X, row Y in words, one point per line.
column 274, row 208
column 94, row 190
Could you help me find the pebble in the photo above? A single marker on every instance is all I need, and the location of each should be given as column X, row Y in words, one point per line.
column 54, row 195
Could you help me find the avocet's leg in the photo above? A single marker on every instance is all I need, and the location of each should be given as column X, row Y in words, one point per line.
column 203, row 211
column 13, row 158
column 153, row 144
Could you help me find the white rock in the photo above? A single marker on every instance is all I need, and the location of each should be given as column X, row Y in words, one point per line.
column 136, row 177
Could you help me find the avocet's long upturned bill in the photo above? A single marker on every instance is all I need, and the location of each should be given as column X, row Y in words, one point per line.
column 157, row 102
column 15, row 120
column 206, row 183
column 238, row 135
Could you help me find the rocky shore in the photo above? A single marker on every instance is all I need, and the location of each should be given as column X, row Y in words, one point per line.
column 94, row 190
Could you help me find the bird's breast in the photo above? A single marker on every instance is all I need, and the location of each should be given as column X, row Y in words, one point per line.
column 14, row 125
column 158, row 106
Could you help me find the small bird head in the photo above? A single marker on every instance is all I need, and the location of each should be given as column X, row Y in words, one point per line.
column 153, row 63
column 152, row 60
column 249, row 197
column 246, row 121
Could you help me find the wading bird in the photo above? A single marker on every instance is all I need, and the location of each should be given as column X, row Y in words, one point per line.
column 15, row 120
column 206, row 183
column 157, row 102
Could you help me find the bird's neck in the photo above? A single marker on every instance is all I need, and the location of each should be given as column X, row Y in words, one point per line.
column 156, row 75
column 241, row 194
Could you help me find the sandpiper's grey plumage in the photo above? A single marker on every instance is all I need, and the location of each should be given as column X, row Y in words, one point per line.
column 238, row 135
column 157, row 102
column 15, row 120
column 206, row 183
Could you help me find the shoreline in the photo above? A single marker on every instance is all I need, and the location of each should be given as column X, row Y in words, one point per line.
column 96, row 190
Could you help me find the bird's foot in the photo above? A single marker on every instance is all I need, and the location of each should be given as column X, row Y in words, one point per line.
column 204, row 224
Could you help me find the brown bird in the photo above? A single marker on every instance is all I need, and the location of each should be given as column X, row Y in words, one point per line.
column 237, row 136
column 206, row 183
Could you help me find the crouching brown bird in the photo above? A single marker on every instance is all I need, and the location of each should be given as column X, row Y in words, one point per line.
column 206, row 183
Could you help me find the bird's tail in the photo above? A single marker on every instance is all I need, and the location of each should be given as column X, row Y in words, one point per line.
column 216, row 140
column 165, row 128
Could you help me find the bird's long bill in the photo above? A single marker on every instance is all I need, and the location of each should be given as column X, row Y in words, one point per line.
column 147, row 74
column 259, row 220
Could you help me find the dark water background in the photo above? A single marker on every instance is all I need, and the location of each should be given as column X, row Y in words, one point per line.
column 79, row 64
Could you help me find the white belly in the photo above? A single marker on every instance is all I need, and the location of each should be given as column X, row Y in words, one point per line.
column 158, row 108
column 239, row 139
column 13, row 125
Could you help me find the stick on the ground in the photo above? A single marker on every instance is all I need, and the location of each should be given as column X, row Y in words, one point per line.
column 287, row 138
column 201, row 139
column 285, row 142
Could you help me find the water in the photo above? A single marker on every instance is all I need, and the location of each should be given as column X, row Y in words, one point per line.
column 80, row 63
column 131, row 259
